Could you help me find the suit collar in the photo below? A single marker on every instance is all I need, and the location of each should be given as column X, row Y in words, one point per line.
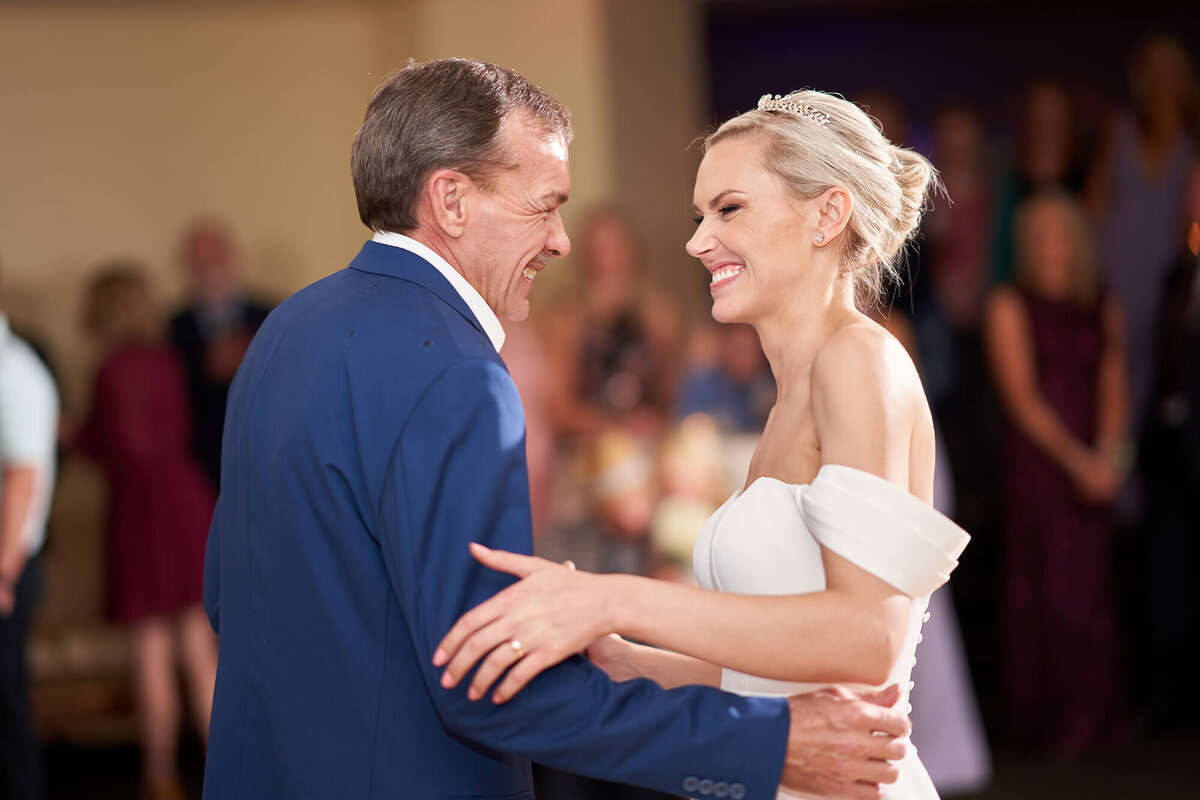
column 403, row 263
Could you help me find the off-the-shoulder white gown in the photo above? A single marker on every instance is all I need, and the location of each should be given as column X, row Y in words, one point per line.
column 767, row 538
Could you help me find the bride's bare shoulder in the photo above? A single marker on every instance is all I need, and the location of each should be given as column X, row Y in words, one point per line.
column 864, row 350
column 868, row 406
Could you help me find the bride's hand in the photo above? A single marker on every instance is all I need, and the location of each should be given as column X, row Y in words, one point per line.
column 552, row 613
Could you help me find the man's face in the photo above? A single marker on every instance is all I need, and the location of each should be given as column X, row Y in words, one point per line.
column 514, row 229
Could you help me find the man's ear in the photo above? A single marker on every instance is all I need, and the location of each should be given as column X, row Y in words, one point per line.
column 448, row 195
column 833, row 213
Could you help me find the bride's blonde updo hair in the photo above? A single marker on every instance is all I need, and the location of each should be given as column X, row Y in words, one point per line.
column 812, row 141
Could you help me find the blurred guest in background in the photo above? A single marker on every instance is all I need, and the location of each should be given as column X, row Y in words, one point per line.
column 525, row 358
column 1048, row 155
column 28, row 432
column 613, row 346
column 1056, row 350
column 612, row 349
column 948, row 293
column 622, row 494
column 694, row 479
column 959, row 234
column 1134, row 193
column 728, row 378
column 1171, row 458
column 160, row 506
column 212, row 333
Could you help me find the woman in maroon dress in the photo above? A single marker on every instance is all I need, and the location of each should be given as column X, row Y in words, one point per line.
column 159, row 509
column 1055, row 346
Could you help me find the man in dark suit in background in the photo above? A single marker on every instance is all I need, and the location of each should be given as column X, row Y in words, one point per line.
column 373, row 433
column 212, row 333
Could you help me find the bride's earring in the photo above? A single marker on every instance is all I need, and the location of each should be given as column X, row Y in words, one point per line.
column 820, row 238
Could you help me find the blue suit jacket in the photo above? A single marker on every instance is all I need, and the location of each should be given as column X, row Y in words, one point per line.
column 372, row 433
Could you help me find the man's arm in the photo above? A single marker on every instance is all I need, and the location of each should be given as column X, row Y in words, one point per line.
column 457, row 476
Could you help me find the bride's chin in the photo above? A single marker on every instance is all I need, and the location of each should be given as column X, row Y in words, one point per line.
column 722, row 312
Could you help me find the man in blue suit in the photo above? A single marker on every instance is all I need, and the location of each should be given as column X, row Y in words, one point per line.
column 372, row 433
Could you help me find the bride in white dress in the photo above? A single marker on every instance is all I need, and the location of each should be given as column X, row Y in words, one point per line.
column 823, row 564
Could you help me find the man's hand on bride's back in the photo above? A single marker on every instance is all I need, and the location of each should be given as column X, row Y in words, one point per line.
column 552, row 613
column 843, row 744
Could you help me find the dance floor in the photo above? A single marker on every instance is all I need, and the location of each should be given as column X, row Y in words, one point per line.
column 1164, row 769
column 1159, row 770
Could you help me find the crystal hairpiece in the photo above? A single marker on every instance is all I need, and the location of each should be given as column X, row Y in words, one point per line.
column 776, row 103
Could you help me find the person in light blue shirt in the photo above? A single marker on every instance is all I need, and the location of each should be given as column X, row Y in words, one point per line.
column 28, row 431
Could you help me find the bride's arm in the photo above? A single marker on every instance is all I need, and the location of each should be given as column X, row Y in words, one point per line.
column 863, row 410
column 624, row 660
column 849, row 633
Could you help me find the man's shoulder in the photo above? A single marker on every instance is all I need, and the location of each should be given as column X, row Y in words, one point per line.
column 362, row 311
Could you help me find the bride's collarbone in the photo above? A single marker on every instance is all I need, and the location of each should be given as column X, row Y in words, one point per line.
column 789, row 454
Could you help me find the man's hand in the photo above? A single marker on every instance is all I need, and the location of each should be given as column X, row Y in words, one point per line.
column 841, row 744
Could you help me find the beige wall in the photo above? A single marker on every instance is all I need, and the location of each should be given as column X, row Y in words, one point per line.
column 120, row 124
column 655, row 66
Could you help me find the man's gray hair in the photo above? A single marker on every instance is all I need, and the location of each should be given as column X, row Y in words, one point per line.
column 440, row 115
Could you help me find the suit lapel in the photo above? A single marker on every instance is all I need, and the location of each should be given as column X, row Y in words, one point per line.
column 394, row 262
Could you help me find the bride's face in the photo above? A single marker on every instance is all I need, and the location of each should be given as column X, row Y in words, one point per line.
column 751, row 233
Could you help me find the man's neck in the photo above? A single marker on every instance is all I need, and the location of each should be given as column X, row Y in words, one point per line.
column 435, row 251
column 439, row 244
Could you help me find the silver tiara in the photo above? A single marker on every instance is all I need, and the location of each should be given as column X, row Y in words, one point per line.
column 770, row 102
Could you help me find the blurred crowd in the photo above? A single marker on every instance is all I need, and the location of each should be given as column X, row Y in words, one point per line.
column 1052, row 306
column 153, row 430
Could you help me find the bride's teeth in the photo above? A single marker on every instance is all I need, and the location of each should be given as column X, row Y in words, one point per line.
column 529, row 272
column 725, row 273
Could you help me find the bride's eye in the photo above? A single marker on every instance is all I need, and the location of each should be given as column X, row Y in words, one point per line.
column 725, row 211
column 697, row 220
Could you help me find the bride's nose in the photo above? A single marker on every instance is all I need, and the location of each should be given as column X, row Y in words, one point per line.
column 701, row 241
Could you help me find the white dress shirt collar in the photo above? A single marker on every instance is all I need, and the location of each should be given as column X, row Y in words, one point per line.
column 474, row 300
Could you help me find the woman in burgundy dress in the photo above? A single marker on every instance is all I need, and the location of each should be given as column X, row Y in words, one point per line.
column 1055, row 345
column 159, row 509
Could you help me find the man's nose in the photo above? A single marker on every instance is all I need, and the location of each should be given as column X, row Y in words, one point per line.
column 558, row 244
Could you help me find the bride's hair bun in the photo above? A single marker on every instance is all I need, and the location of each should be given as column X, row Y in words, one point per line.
column 812, row 141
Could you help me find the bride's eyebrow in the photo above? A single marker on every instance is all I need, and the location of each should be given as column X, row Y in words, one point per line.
column 716, row 201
